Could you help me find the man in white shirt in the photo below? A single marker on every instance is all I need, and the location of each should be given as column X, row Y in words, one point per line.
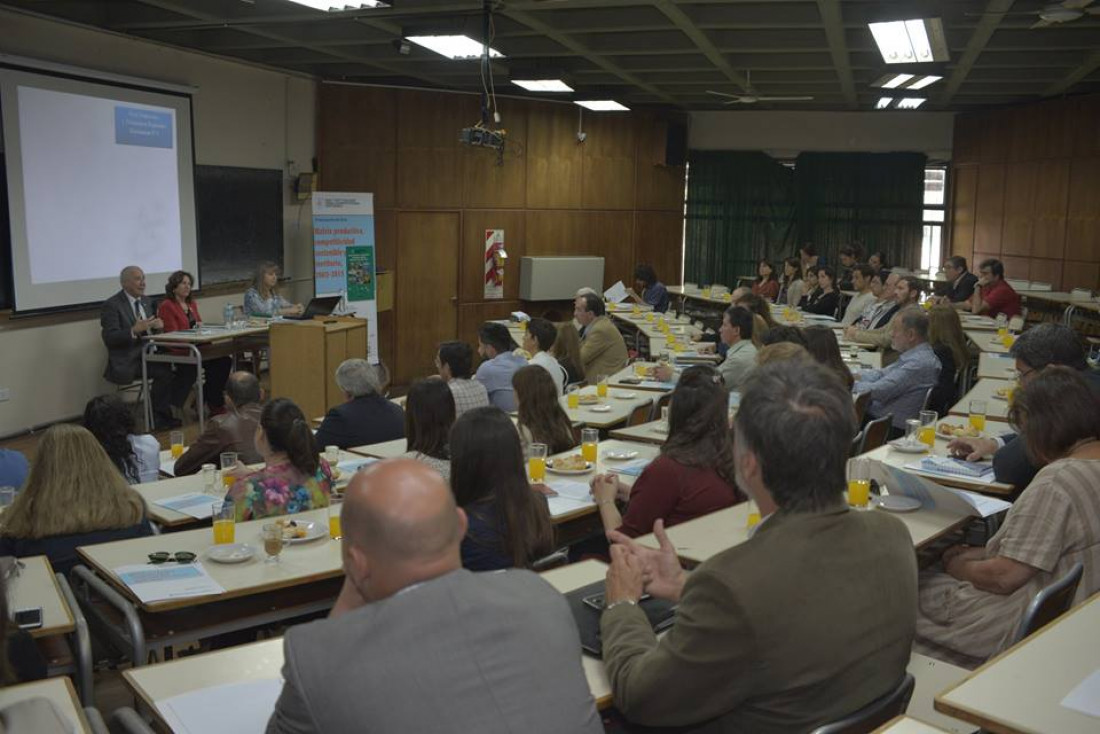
column 862, row 275
column 736, row 333
column 537, row 341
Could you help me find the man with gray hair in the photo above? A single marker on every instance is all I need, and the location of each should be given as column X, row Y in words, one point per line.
column 899, row 390
column 366, row 417
column 234, row 430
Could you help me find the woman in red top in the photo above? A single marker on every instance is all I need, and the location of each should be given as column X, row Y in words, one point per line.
column 694, row 473
column 179, row 312
column 766, row 284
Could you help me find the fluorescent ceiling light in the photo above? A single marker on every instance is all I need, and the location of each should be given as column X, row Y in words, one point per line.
column 897, row 81
column 602, row 105
column 910, row 103
column 924, row 82
column 543, row 85
column 454, row 47
column 915, row 41
column 334, row 6
column 883, row 103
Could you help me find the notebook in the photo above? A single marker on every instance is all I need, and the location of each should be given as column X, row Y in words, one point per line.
column 955, row 467
column 661, row 614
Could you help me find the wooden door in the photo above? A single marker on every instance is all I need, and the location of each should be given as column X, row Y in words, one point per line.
column 425, row 291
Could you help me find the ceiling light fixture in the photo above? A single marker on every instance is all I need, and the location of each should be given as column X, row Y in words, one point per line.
column 910, row 103
column 924, row 82
column 883, row 103
column 915, row 41
column 602, row 105
column 543, row 85
column 333, row 6
column 454, row 47
column 897, row 81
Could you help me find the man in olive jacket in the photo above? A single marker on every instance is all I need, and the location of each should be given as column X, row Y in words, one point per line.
column 808, row 621
column 603, row 349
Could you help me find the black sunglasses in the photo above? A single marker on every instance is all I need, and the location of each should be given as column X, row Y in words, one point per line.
column 165, row 557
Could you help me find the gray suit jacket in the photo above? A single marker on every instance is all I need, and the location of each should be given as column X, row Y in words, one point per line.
column 116, row 318
column 466, row 652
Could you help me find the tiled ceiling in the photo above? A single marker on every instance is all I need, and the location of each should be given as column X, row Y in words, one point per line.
column 664, row 53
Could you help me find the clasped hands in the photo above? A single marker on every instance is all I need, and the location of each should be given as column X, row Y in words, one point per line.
column 142, row 326
column 636, row 569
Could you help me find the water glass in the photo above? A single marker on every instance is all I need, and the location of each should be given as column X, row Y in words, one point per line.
column 228, row 460
column 209, row 478
column 332, row 455
column 7, row 496
column 912, row 431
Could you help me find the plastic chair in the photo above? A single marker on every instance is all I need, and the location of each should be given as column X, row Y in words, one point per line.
column 875, row 434
column 1050, row 603
column 874, row 714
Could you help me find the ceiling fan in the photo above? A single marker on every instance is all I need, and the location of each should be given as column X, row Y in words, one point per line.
column 754, row 98
column 1064, row 12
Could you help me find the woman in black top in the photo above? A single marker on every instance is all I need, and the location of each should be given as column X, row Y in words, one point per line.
column 826, row 298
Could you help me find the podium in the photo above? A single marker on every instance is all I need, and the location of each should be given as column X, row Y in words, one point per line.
column 304, row 358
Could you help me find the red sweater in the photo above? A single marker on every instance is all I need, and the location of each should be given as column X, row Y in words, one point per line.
column 768, row 289
column 173, row 315
column 1001, row 298
column 673, row 492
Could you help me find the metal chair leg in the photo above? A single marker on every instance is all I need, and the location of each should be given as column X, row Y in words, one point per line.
column 87, row 581
column 81, row 644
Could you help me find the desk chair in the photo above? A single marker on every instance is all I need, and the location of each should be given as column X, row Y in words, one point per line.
column 875, row 434
column 79, row 666
column 639, row 415
column 1050, row 603
column 927, row 398
column 874, row 714
column 863, row 401
column 659, row 403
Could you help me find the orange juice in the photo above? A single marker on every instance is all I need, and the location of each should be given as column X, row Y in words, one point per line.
column 601, row 389
column 636, row 310
column 859, row 492
column 978, row 421
column 649, row 316
column 706, row 293
column 536, row 467
column 334, row 526
column 1002, row 332
column 177, row 450
column 573, row 400
column 1008, row 340
column 639, row 369
column 754, row 518
column 223, row 531
column 228, row 479
column 588, row 451
column 928, row 436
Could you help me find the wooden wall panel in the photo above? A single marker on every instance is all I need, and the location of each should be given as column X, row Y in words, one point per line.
column 472, row 272
column 996, row 136
column 966, row 141
column 357, row 141
column 1051, row 196
column 554, row 159
column 1077, row 274
column 473, row 315
column 657, row 186
column 1085, row 118
column 489, row 181
column 964, row 209
column 1019, row 207
column 609, row 162
column 1016, row 267
column 429, row 174
column 1083, row 210
column 385, row 239
column 1045, row 271
column 607, row 234
column 989, row 210
column 658, row 240
column 1055, row 136
column 1025, row 130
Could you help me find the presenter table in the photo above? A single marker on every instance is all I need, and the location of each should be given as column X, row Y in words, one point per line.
column 996, row 407
column 59, row 692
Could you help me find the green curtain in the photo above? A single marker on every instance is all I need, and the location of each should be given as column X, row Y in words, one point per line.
column 740, row 208
column 874, row 200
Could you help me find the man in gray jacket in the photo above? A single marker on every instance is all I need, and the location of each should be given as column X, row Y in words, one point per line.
column 416, row 643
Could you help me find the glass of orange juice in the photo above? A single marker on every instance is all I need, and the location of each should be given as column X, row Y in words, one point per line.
column 573, row 397
column 590, row 438
column 536, row 461
column 334, row 530
column 228, row 461
column 175, row 441
column 928, row 427
column 977, row 414
column 224, row 516
column 649, row 316
column 601, row 386
column 754, row 514
column 639, row 369
column 859, row 483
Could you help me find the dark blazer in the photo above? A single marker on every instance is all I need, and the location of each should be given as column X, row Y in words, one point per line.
column 61, row 549
column 116, row 319
column 963, row 289
column 884, row 319
column 234, row 430
column 362, row 421
column 943, row 392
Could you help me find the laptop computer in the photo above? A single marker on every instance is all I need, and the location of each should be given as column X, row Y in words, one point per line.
column 319, row 306
column 587, row 605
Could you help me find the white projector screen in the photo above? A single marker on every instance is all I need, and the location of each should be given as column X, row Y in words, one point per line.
column 99, row 177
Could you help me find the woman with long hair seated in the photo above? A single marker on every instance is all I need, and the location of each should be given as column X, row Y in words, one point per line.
column 179, row 311
column 294, row 478
column 74, row 496
column 945, row 335
column 567, row 350
column 263, row 298
column 826, row 298
column 790, row 284
column 429, row 416
column 969, row 610
column 509, row 523
column 694, row 473
column 137, row 456
column 541, row 418
column 822, row 345
column 766, row 284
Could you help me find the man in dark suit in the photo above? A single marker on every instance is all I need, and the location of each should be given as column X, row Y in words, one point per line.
column 962, row 283
column 367, row 417
column 793, row 628
column 124, row 319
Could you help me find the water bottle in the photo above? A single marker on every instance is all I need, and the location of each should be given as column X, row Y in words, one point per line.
column 227, row 314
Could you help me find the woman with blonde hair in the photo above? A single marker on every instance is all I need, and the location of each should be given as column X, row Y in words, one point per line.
column 945, row 335
column 263, row 298
column 74, row 496
column 541, row 418
column 567, row 350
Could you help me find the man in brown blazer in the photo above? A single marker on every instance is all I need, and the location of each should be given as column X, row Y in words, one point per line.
column 603, row 350
column 808, row 621
column 233, row 430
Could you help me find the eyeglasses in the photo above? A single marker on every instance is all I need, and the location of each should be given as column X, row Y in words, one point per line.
column 166, row 557
column 1021, row 374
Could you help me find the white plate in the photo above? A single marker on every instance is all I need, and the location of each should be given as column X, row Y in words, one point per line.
column 896, row 503
column 624, row 395
column 904, row 447
column 661, row 427
column 587, row 468
column 314, row 530
column 230, row 553
column 600, row 408
column 951, row 436
column 620, row 455
column 998, row 396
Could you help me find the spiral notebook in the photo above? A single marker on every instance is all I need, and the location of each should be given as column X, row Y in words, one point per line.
column 955, row 467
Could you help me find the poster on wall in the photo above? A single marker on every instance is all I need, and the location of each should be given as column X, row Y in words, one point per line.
column 495, row 256
column 343, row 256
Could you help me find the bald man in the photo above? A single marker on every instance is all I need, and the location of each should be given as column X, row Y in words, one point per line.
column 416, row 643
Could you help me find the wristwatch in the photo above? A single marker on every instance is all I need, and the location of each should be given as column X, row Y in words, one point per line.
column 614, row 604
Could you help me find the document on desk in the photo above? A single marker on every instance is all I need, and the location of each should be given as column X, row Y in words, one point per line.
column 632, row 468
column 1086, row 696
column 572, row 496
column 168, row 581
column 233, row 708
column 932, row 495
column 616, row 293
column 194, row 504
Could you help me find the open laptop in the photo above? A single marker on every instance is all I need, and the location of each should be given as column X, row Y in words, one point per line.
column 320, row 306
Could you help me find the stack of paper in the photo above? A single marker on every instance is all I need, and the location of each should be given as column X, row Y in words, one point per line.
column 955, row 467
column 632, row 468
column 195, row 504
column 572, row 496
column 932, row 495
column 233, row 708
column 168, row 581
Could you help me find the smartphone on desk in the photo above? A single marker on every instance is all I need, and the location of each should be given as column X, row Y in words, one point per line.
column 28, row 619
column 596, row 601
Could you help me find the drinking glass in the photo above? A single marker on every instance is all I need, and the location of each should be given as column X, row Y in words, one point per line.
column 859, row 483
column 228, row 461
column 209, row 478
column 272, row 534
column 928, row 428
column 977, row 414
column 536, row 461
column 573, row 397
column 334, row 509
column 225, row 518
column 639, row 369
column 175, row 441
column 664, row 414
column 912, row 431
column 601, row 386
column 754, row 514
column 332, row 456
column 1002, row 325
column 649, row 316
column 590, row 438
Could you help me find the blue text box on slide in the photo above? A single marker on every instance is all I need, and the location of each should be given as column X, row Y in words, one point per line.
column 144, row 127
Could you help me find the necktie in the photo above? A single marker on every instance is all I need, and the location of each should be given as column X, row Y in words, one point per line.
column 139, row 312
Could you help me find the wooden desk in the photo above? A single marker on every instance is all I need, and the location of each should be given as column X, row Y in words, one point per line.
column 621, row 408
column 36, row 586
column 997, row 366
column 384, row 450
column 986, row 341
column 977, row 322
column 907, row 725
column 1021, row 689
column 59, row 691
column 887, row 454
column 574, row 576
column 655, row 432
column 996, row 409
column 603, row 464
column 627, row 373
column 698, row 297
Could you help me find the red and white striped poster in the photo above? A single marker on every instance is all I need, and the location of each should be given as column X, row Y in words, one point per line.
column 494, row 263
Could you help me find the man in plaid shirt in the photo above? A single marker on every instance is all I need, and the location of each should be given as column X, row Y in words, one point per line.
column 455, row 361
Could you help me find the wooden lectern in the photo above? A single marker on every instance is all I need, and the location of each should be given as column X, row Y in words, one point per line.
column 304, row 358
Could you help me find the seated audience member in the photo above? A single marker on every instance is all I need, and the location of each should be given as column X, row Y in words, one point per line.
column 782, row 352
column 945, row 334
column 878, row 261
column 603, row 350
column 962, row 283
column 234, row 430
column 13, row 468
column 865, row 297
column 74, row 496
column 496, row 348
column 1040, row 346
column 849, row 259
column 784, row 333
column 263, row 298
column 969, row 611
column 790, row 285
column 994, row 296
column 429, row 416
column 509, row 523
column 422, row 645
column 879, row 313
column 744, row 654
column 653, row 292
column 541, row 418
column 822, row 346
column 766, row 284
column 20, row 659
column 366, row 416
column 567, row 350
column 125, row 318
column 809, row 256
column 137, row 456
column 809, row 285
column 758, row 306
column 692, row 476
column 455, row 363
column 538, row 340
column 179, row 312
column 900, row 389
column 294, row 478
column 736, row 334
column 907, row 292
column 825, row 300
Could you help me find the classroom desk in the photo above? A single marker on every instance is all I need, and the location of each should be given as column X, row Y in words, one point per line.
column 628, row 373
column 996, row 408
column 36, row 586
column 986, row 341
column 1021, row 689
column 620, row 407
column 907, row 725
column 565, row 511
column 1062, row 299
column 574, row 576
column 655, row 432
column 59, row 691
column 384, row 450
column 697, row 295
column 977, row 321
column 890, row 456
column 997, row 366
